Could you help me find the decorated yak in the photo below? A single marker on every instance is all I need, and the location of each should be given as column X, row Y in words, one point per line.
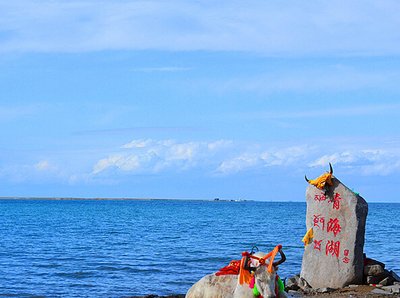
column 252, row 276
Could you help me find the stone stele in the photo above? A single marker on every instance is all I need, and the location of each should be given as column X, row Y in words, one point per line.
column 334, row 258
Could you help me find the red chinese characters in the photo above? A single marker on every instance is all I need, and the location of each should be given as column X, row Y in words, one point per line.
column 319, row 221
column 320, row 197
column 329, row 231
column 336, row 201
column 317, row 244
column 333, row 226
column 332, row 248
column 346, row 255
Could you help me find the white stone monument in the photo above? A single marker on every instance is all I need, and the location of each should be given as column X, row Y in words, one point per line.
column 334, row 256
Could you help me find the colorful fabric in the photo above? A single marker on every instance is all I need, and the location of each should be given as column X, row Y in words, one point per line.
column 308, row 237
column 322, row 180
column 232, row 268
column 244, row 275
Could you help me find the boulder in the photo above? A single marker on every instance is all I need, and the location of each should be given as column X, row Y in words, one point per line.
column 334, row 258
column 373, row 270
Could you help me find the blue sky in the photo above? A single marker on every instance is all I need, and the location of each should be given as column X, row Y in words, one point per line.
column 197, row 99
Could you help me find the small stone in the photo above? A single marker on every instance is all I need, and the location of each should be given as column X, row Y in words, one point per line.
column 325, row 290
column 373, row 270
column 303, row 284
column 353, row 286
column 380, row 291
column 291, row 283
column 395, row 289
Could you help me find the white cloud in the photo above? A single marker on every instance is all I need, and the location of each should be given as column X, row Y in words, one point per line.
column 265, row 158
column 238, row 164
column 43, row 165
column 224, row 157
column 271, row 27
column 212, row 158
column 151, row 156
column 367, row 162
column 137, row 144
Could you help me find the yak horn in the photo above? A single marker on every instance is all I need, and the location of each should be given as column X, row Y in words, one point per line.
column 283, row 259
column 330, row 169
column 305, row 177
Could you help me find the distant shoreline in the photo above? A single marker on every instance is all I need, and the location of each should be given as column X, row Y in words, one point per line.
column 91, row 199
column 118, row 199
column 152, row 199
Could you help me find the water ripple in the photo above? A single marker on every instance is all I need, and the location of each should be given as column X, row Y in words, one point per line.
column 112, row 248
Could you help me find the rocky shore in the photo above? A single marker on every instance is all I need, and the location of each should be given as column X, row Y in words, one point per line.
column 377, row 282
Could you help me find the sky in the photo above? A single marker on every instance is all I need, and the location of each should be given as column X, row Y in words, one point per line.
column 198, row 99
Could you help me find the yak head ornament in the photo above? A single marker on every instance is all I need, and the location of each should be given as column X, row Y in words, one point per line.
column 323, row 181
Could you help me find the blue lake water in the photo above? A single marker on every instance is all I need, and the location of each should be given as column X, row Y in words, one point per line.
column 116, row 248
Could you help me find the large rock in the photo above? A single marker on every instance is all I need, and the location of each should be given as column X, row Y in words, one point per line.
column 334, row 258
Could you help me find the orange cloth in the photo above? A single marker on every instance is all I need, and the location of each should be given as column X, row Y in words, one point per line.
column 232, row 268
column 322, row 180
column 244, row 275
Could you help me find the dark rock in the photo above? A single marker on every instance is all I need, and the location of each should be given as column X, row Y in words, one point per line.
column 373, row 280
column 369, row 261
column 380, row 277
column 304, row 285
column 335, row 257
column 395, row 276
column 388, row 281
column 291, row 283
column 373, row 270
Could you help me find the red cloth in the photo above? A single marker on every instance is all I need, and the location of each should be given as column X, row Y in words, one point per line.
column 232, row 268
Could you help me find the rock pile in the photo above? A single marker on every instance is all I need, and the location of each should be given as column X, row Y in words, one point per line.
column 375, row 275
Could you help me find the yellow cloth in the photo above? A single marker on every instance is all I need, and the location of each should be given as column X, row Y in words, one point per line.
column 322, row 180
column 308, row 237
